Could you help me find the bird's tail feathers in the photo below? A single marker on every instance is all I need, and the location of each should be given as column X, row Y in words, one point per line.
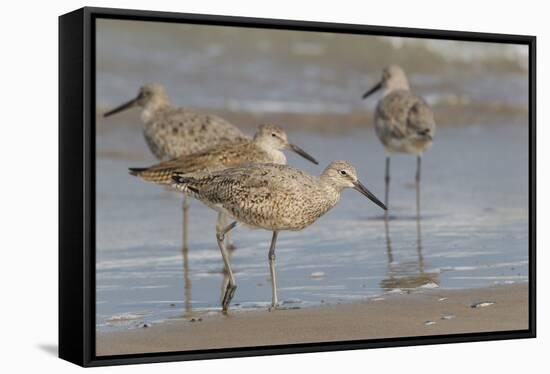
column 136, row 171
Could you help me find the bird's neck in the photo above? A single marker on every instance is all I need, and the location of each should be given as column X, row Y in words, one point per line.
column 400, row 85
column 331, row 190
column 276, row 155
column 153, row 107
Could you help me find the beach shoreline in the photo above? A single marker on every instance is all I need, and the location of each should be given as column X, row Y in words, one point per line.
column 421, row 313
column 331, row 123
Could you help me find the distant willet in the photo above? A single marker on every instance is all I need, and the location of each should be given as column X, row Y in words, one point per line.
column 172, row 132
column 266, row 147
column 403, row 121
column 272, row 197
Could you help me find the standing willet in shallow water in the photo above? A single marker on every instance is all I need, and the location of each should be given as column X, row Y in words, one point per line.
column 172, row 132
column 266, row 147
column 403, row 121
column 272, row 197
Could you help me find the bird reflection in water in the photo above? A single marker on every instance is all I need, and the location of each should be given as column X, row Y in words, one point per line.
column 187, row 283
column 408, row 275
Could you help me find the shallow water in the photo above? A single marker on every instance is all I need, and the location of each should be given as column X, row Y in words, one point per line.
column 474, row 230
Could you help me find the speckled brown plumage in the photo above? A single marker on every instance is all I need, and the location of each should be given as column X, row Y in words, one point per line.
column 269, row 196
column 266, row 147
column 172, row 132
column 403, row 121
column 175, row 132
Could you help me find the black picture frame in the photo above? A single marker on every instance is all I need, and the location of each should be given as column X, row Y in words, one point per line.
column 77, row 181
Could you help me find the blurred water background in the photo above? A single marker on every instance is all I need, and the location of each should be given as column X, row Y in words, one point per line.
column 474, row 228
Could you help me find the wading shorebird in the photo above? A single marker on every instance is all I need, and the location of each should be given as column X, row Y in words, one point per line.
column 271, row 197
column 266, row 147
column 172, row 132
column 403, row 121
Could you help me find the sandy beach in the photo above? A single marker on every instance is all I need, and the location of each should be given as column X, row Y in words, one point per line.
column 431, row 312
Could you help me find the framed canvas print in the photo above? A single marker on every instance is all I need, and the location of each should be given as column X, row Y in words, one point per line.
column 236, row 186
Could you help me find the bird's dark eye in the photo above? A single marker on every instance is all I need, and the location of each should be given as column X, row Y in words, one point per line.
column 273, row 135
column 343, row 172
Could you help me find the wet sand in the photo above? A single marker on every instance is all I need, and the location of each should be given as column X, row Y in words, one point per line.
column 431, row 312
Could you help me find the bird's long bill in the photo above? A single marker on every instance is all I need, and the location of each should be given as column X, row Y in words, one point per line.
column 372, row 90
column 361, row 188
column 302, row 153
column 122, row 107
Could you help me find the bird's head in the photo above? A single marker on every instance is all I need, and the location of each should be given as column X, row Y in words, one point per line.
column 342, row 174
column 393, row 78
column 149, row 96
column 274, row 137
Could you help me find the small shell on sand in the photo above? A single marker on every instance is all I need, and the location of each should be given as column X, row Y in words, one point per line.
column 482, row 304
column 443, row 299
column 448, row 317
column 429, row 323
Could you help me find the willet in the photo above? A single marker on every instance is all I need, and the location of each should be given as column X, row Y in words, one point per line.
column 265, row 147
column 172, row 132
column 403, row 121
column 272, row 197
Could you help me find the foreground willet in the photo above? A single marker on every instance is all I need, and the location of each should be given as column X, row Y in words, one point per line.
column 403, row 121
column 265, row 147
column 272, row 197
column 172, row 132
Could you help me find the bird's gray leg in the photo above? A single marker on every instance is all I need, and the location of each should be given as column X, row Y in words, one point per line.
column 220, row 224
column 271, row 257
column 231, row 286
column 387, row 180
column 418, row 163
column 418, row 227
column 225, row 285
column 185, row 221
column 388, row 241
column 419, row 246
column 187, row 282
